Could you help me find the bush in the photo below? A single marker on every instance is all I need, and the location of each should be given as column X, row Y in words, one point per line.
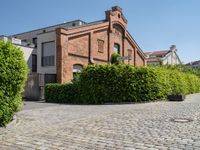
column 61, row 93
column 116, row 59
column 149, row 84
column 113, row 83
column 99, row 84
column 13, row 74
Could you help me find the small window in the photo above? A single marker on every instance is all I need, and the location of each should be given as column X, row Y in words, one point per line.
column 34, row 63
column 34, row 40
column 76, row 70
column 116, row 48
column 100, row 46
column 24, row 41
column 73, row 24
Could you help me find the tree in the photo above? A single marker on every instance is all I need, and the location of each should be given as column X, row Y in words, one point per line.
column 13, row 74
column 116, row 59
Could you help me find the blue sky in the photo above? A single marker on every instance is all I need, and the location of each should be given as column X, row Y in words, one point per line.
column 154, row 24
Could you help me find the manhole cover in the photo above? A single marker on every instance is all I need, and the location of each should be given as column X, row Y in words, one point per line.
column 182, row 120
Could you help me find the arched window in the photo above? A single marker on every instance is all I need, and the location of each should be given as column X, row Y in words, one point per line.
column 116, row 48
column 76, row 69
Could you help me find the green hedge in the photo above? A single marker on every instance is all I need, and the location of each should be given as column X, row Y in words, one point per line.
column 13, row 74
column 57, row 93
column 99, row 84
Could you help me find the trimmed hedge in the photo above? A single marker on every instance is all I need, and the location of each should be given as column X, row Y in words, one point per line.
column 13, row 74
column 56, row 93
column 99, row 84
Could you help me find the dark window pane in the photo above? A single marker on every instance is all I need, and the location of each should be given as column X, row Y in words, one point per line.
column 34, row 63
column 48, row 50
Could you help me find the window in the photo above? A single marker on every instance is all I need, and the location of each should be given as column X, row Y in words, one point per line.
column 100, row 46
column 48, row 56
column 35, row 41
column 24, row 41
column 76, row 70
column 116, row 48
column 34, row 63
column 50, row 78
column 73, row 24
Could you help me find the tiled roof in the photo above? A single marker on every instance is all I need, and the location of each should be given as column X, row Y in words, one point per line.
column 157, row 53
column 148, row 53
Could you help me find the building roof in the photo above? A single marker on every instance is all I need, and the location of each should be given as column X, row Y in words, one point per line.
column 157, row 53
column 66, row 24
column 81, row 24
column 194, row 63
column 159, row 56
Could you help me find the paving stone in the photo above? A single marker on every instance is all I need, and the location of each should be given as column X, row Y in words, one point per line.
column 129, row 126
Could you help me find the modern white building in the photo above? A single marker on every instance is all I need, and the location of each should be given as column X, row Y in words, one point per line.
column 163, row 57
column 44, row 41
column 39, row 48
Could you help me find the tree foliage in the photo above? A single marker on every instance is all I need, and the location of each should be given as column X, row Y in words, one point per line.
column 13, row 74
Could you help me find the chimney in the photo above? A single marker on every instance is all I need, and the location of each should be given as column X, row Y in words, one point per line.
column 116, row 8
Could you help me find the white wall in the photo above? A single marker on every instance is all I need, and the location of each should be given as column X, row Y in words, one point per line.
column 34, row 33
column 46, row 37
column 27, row 51
column 172, row 59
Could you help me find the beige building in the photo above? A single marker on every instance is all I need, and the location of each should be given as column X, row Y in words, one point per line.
column 163, row 57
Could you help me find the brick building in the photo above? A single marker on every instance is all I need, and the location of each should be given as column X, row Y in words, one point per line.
column 95, row 43
column 64, row 49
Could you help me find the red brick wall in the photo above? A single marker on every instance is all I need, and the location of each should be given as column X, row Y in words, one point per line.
column 80, row 46
column 128, row 46
column 140, row 61
column 100, row 35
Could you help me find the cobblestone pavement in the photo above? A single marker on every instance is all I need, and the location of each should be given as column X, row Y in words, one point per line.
column 128, row 126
